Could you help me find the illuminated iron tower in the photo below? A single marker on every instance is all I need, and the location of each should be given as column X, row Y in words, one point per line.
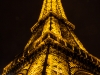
column 53, row 48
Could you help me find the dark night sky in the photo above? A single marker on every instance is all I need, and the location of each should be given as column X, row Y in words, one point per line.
column 18, row 16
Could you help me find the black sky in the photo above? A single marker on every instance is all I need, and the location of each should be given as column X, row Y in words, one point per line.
column 18, row 16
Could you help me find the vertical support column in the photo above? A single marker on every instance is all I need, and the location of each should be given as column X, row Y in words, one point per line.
column 69, row 66
column 50, row 22
column 45, row 63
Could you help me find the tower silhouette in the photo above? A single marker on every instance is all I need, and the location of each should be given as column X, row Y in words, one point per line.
column 53, row 48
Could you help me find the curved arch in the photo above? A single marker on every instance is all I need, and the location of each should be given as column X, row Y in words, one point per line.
column 23, row 72
column 82, row 72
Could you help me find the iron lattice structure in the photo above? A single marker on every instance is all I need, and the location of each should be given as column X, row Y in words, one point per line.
column 53, row 48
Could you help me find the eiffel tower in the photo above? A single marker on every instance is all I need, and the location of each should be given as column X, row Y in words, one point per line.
column 53, row 48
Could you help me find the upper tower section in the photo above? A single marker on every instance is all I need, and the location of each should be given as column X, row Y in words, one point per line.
column 52, row 6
